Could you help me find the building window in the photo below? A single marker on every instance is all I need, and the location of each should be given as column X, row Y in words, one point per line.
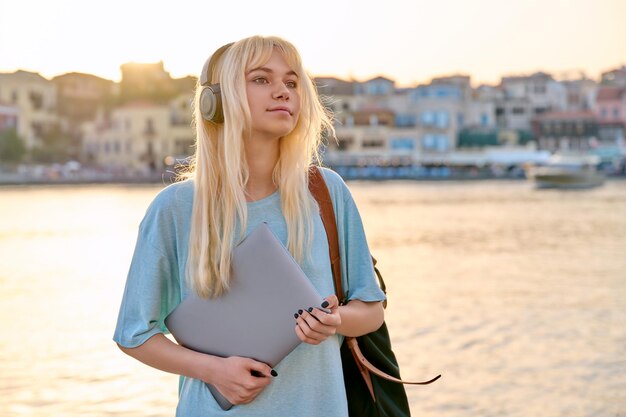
column 373, row 120
column 403, row 143
column 484, row 119
column 36, row 99
column 616, row 112
column 373, row 143
column 500, row 111
column 460, row 119
column 428, row 142
column 603, row 112
column 344, row 143
column 518, row 110
column 14, row 97
column 427, row 118
column 129, row 146
column 116, row 147
column 580, row 128
column 149, row 126
column 546, row 128
column 107, row 147
column 443, row 119
column 406, row 120
column 433, row 142
column 442, row 143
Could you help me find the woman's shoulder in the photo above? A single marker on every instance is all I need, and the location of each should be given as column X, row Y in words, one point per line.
column 336, row 185
column 332, row 179
column 173, row 199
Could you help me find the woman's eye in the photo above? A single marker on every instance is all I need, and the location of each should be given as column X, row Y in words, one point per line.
column 260, row 80
column 291, row 84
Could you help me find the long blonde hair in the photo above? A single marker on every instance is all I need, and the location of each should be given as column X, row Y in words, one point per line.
column 220, row 171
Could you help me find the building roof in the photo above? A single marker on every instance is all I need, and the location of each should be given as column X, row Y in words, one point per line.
column 380, row 78
column 31, row 76
column 79, row 75
column 610, row 93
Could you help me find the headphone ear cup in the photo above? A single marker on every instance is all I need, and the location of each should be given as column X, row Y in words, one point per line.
column 211, row 104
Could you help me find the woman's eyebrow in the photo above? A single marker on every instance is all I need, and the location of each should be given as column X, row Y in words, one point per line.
column 270, row 71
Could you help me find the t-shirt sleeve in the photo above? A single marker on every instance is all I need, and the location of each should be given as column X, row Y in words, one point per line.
column 152, row 286
column 357, row 270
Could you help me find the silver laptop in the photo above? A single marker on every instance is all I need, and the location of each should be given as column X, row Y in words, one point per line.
column 255, row 318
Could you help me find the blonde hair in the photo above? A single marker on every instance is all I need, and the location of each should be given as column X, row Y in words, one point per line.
column 220, row 172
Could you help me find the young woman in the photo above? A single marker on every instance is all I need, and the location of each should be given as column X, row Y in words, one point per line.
column 250, row 166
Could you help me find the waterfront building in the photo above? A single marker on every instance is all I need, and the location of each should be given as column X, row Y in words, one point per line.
column 574, row 131
column 36, row 100
column 79, row 96
column 610, row 110
column 581, row 94
column 140, row 137
column 615, row 77
column 523, row 98
column 146, row 81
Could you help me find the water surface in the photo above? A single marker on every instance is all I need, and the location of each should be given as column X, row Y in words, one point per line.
column 517, row 296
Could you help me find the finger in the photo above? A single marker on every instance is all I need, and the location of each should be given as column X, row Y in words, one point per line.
column 323, row 321
column 308, row 331
column 317, row 329
column 260, row 369
column 327, row 319
column 305, row 338
column 332, row 301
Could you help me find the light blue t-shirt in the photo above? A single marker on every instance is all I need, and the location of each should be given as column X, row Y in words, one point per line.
column 310, row 379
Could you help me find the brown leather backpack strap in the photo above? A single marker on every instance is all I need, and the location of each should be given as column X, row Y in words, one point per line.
column 320, row 192
column 364, row 363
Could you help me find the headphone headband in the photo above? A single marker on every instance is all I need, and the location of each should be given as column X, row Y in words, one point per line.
column 209, row 65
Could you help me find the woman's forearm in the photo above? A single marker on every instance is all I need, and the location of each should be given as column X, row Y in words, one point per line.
column 240, row 380
column 359, row 317
column 161, row 353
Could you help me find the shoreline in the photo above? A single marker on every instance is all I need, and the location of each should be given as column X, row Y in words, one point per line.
column 4, row 183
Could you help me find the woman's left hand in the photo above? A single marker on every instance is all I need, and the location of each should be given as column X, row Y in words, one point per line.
column 314, row 325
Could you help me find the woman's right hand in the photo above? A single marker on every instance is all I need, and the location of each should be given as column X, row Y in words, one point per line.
column 234, row 379
column 231, row 376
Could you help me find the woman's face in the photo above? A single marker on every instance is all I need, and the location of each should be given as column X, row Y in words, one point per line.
column 273, row 98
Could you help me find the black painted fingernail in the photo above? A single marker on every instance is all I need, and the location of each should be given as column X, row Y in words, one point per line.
column 274, row 373
column 300, row 311
column 325, row 304
column 310, row 309
column 296, row 315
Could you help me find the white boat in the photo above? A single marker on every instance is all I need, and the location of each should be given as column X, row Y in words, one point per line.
column 566, row 171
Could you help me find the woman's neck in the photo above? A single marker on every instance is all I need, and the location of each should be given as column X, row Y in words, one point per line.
column 261, row 159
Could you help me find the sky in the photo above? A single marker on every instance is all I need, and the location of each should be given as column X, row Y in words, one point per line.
column 409, row 41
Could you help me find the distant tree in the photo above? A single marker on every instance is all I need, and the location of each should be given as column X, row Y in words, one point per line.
column 12, row 147
column 55, row 146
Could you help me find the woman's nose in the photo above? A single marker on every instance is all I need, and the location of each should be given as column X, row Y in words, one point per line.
column 281, row 92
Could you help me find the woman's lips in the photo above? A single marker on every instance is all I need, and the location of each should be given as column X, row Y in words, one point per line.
column 280, row 109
